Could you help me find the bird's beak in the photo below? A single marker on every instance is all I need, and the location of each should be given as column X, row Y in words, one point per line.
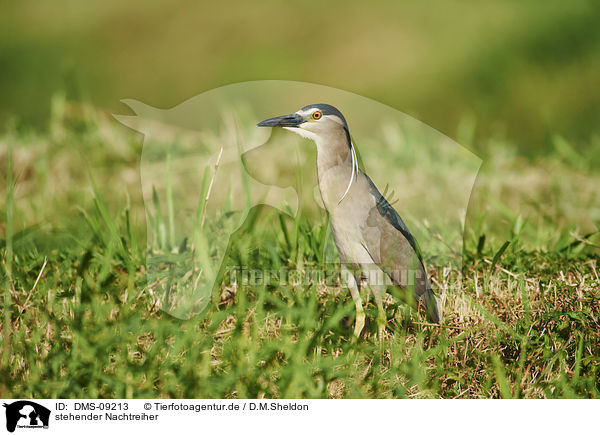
column 293, row 120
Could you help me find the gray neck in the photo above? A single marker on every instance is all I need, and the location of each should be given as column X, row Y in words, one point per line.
column 334, row 166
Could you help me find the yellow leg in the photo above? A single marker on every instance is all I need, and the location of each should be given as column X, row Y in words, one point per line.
column 381, row 317
column 350, row 279
column 359, row 324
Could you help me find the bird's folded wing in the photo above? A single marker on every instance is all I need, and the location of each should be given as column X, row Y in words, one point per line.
column 389, row 242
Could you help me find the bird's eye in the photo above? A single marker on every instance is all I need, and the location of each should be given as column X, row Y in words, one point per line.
column 317, row 115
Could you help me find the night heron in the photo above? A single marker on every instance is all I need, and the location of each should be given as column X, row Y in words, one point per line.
column 369, row 234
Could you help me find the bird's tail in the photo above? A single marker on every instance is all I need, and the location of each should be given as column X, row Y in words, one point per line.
column 432, row 304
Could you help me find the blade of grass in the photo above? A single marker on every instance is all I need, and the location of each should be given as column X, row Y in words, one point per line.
column 480, row 245
column 498, row 255
column 169, row 199
column 8, row 265
column 210, row 185
column 501, row 378
column 159, row 225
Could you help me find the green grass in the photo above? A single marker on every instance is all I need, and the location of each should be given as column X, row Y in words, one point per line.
column 82, row 320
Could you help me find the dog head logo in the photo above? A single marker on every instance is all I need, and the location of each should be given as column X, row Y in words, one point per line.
column 26, row 414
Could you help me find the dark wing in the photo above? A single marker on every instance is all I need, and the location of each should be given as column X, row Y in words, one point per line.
column 392, row 246
column 388, row 213
column 395, row 250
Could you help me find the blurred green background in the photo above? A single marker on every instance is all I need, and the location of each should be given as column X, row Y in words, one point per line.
column 520, row 72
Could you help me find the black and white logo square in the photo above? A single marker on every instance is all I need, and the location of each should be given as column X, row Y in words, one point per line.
column 25, row 414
